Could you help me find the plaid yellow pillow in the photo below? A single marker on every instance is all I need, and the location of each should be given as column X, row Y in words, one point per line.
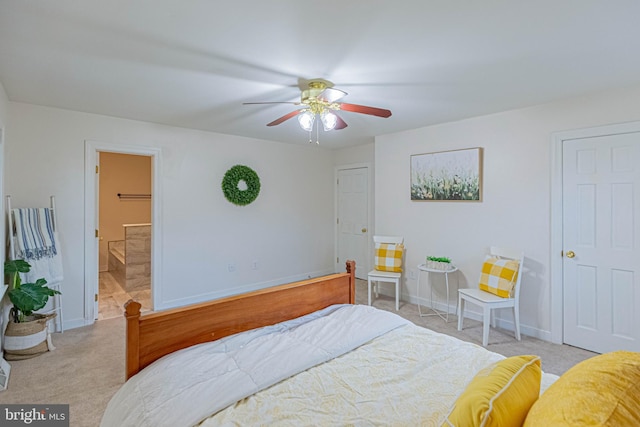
column 388, row 257
column 499, row 276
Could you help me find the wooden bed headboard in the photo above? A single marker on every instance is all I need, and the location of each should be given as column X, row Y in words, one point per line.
column 155, row 334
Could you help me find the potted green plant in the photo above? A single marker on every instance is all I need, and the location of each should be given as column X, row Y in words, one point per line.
column 25, row 297
column 25, row 327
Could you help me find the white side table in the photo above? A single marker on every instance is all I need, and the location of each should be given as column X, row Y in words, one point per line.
column 423, row 267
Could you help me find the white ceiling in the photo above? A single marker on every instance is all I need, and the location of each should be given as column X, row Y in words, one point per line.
column 193, row 63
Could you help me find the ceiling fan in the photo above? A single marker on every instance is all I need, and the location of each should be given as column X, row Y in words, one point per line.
column 321, row 100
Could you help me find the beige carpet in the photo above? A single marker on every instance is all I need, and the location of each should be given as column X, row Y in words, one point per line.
column 556, row 359
column 87, row 367
column 84, row 371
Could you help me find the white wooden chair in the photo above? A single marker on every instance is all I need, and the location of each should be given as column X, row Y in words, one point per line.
column 489, row 301
column 377, row 276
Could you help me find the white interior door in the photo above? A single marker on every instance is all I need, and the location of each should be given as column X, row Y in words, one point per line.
column 601, row 242
column 353, row 219
column 96, row 304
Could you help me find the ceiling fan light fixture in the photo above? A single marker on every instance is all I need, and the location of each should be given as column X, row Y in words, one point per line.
column 319, row 101
column 306, row 119
column 329, row 120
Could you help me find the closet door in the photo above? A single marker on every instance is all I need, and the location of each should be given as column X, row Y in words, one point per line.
column 353, row 220
column 601, row 239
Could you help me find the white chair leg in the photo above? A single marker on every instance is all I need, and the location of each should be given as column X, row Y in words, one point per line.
column 516, row 318
column 397, row 294
column 369, row 289
column 485, row 326
column 460, row 312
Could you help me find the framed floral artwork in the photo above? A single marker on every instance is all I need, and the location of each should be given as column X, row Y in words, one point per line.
column 447, row 176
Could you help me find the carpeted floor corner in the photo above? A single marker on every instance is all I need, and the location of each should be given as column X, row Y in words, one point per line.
column 84, row 371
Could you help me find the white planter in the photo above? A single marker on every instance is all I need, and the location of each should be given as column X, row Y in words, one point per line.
column 27, row 339
column 438, row 265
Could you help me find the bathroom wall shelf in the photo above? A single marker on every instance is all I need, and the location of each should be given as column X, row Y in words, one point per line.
column 129, row 196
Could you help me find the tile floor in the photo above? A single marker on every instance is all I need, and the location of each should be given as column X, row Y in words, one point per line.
column 112, row 297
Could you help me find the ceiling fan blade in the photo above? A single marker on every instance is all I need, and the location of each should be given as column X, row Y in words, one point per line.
column 380, row 112
column 340, row 124
column 331, row 95
column 274, row 102
column 284, row 118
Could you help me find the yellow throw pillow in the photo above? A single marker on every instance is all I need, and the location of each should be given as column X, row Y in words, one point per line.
column 499, row 395
column 388, row 257
column 601, row 391
column 499, row 276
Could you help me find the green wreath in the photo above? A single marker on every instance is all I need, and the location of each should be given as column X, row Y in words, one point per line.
column 232, row 179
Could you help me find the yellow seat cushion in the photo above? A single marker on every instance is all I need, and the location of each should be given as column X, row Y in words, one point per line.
column 499, row 276
column 388, row 257
column 601, row 391
column 499, row 395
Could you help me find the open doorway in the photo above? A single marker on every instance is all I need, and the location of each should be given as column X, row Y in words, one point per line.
column 124, row 224
column 93, row 149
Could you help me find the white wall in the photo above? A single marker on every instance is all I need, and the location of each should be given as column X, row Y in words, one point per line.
column 4, row 113
column 354, row 155
column 4, row 105
column 515, row 211
column 4, row 108
column 288, row 229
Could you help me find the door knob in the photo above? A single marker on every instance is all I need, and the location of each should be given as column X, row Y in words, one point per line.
column 571, row 254
column 364, row 230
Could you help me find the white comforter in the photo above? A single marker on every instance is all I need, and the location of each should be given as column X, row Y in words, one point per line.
column 185, row 387
column 380, row 370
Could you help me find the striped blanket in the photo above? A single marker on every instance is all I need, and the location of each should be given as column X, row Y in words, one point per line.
column 34, row 234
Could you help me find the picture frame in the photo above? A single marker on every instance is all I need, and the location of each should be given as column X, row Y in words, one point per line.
column 454, row 175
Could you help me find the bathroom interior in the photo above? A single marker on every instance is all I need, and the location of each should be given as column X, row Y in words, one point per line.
column 124, row 232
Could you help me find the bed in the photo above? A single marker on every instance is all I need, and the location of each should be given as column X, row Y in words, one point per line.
column 305, row 354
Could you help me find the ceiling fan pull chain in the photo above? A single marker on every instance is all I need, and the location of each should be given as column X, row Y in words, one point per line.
column 317, row 134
